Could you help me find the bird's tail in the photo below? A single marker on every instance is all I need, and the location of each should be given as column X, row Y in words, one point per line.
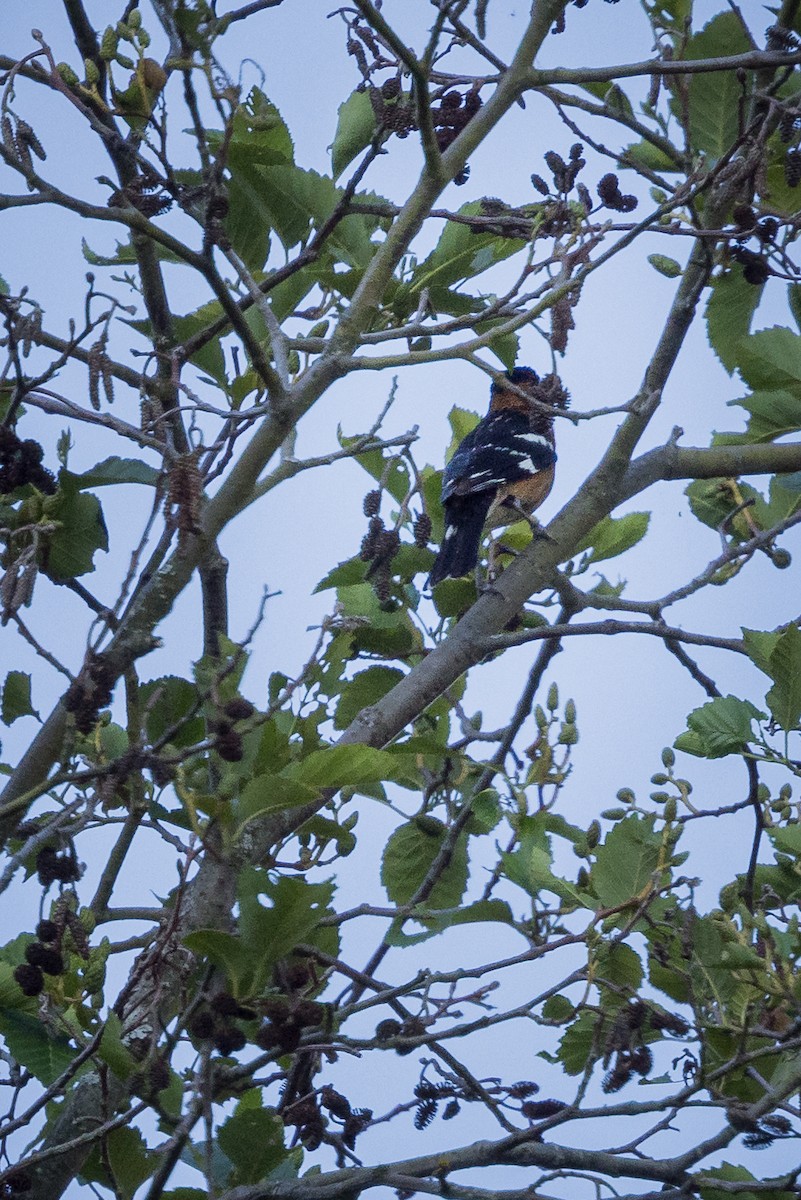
column 464, row 522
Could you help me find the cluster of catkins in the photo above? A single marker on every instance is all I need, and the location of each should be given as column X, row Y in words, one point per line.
column 380, row 545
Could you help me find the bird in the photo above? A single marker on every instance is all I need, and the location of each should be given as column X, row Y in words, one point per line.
column 502, row 470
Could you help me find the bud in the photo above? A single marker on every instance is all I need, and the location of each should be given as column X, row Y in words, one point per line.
column 109, row 43
column 671, row 809
column 570, row 712
column 668, row 757
column 92, row 73
column 553, row 697
column 67, row 74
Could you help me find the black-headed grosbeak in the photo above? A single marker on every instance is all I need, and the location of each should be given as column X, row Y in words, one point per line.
column 503, row 467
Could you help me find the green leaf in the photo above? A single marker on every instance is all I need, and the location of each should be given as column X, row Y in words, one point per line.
column 461, row 254
column 259, row 138
column 505, row 347
column 759, row 646
column 577, row 1045
column 712, row 502
column 482, row 911
column 772, row 414
column 665, row 266
column 653, row 158
column 253, row 1140
column 462, row 421
column 355, row 129
column 345, row 574
column 269, row 934
column 485, row 812
column 619, row 965
column 172, row 701
column 626, row 861
column 116, row 470
column 124, row 1164
column 531, row 865
column 558, row 1008
column 17, row 698
column 267, row 793
column 125, row 255
column 224, row 950
column 729, row 1173
column 614, row 535
column 112, row 1050
column 771, row 360
column 452, row 597
column 292, row 200
column 723, row 726
column 410, row 853
column 130, row 1162
column 391, row 471
column 714, row 97
column 729, row 311
column 81, row 533
column 364, row 689
column 392, row 634
column 208, row 358
column 346, row 766
column 784, row 665
column 28, row 1041
column 784, row 500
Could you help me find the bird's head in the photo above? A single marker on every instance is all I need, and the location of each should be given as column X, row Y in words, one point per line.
column 517, row 387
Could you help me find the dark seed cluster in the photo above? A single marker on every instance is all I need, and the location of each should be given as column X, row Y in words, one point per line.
column 307, row 1114
column 764, row 1132
column 450, row 117
column 21, row 464
column 565, row 173
column 44, row 956
column 227, row 741
column 90, row 692
column 395, row 113
column 54, row 866
column 144, row 194
column 379, row 547
column 214, row 1022
column 780, row 39
column 611, row 196
column 184, row 492
column 626, row 1044
column 792, row 168
column 764, row 230
column 422, row 530
column 431, row 1095
column 286, row 1018
column 20, row 142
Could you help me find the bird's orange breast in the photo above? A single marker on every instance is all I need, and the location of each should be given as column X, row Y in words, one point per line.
column 529, row 493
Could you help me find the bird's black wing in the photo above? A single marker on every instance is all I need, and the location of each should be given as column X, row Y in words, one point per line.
column 501, row 449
